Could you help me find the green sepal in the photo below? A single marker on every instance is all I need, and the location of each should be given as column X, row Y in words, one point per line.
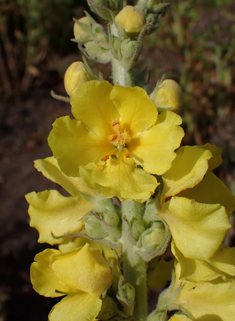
column 157, row 316
column 153, row 205
column 94, row 227
column 115, row 44
column 92, row 51
column 86, row 29
column 154, row 92
column 108, row 308
column 111, row 230
column 158, row 9
column 137, row 228
column 126, row 296
column 110, row 213
column 97, row 32
column 83, row 233
column 132, row 50
column 90, row 74
column 100, row 8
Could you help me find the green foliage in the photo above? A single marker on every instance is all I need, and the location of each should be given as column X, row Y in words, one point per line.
column 29, row 31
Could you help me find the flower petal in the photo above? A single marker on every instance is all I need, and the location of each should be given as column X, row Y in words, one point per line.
column 83, row 269
column 195, row 270
column 78, row 307
column 212, row 190
column 197, row 229
column 50, row 169
column 43, row 279
column 52, row 213
column 208, row 300
column 122, row 179
column 154, row 148
column 216, row 160
column 224, row 260
column 92, row 105
column 187, row 170
column 73, row 144
column 136, row 109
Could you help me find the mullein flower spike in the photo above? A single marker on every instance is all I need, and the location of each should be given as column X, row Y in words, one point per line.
column 137, row 209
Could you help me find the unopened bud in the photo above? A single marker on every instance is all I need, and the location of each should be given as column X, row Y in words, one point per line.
column 82, row 30
column 153, row 241
column 74, row 77
column 129, row 21
column 169, row 96
column 97, row 53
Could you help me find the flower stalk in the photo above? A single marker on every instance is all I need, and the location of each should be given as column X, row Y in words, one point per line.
column 120, row 75
column 139, row 210
column 134, row 267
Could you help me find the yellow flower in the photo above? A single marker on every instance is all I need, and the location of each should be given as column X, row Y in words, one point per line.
column 50, row 212
column 116, row 140
column 220, row 266
column 82, row 274
column 204, row 300
column 195, row 203
column 74, row 77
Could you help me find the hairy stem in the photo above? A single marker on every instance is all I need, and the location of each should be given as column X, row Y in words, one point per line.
column 133, row 265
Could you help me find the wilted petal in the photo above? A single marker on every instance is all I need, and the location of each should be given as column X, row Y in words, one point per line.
column 84, row 269
column 197, row 229
column 121, row 178
column 224, row 260
column 216, row 160
column 43, row 279
column 195, row 270
column 54, row 214
column 78, row 307
column 212, row 301
column 154, row 148
column 212, row 190
column 187, row 170
column 50, row 169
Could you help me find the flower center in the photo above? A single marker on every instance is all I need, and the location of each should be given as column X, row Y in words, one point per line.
column 119, row 139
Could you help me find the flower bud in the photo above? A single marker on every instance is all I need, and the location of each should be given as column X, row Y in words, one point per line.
column 169, row 95
column 153, row 241
column 129, row 21
column 74, row 76
column 97, row 53
column 102, row 8
column 82, row 30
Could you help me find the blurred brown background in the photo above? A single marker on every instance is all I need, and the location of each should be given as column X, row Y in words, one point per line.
column 195, row 45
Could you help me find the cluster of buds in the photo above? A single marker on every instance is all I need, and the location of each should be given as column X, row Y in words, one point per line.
column 131, row 23
column 92, row 39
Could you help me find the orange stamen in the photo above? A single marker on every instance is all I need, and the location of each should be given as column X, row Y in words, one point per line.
column 104, row 159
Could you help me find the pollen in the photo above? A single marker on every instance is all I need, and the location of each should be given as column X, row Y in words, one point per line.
column 120, row 138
